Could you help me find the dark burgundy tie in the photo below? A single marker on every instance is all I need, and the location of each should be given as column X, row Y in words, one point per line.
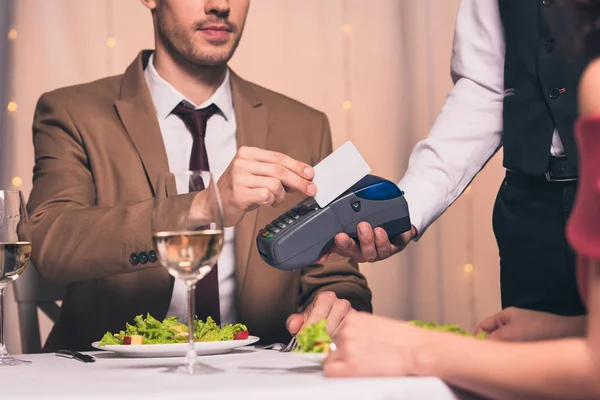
column 207, row 290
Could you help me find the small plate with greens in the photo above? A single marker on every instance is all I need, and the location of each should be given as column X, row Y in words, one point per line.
column 149, row 337
column 313, row 342
column 446, row 328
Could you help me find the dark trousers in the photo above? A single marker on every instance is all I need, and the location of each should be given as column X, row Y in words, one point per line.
column 537, row 266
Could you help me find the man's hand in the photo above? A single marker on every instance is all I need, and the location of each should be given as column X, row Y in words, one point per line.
column 258, row 177
column 326, row 305
column 516, row 324
column 375, row 245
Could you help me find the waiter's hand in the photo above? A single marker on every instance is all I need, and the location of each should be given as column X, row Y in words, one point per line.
column 516, row 324
column 326, row 305
column 374, row 244
column 258, row 177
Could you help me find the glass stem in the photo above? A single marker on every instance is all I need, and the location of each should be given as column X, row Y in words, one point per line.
column 191, row 316
column 3, row 352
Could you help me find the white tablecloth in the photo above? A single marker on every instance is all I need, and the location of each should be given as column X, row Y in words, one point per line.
column 248, row 374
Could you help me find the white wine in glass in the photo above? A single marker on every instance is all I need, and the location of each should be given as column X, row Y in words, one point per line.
column 15, row 252
column 189, row 255
column 188, row 242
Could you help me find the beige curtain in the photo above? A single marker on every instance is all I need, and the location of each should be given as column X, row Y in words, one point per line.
column 378, row 68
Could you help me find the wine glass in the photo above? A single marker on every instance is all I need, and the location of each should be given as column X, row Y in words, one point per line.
column 188, row 239
column 15, row 252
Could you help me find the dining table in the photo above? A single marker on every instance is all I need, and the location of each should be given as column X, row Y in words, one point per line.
column 246, row 373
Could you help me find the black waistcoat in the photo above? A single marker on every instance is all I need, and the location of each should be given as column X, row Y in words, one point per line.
column 541, row 75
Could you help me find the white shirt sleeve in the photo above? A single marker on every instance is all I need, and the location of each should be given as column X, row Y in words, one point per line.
column 468, row 129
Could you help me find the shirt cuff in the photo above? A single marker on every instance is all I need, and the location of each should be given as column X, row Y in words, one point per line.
column 425, row 202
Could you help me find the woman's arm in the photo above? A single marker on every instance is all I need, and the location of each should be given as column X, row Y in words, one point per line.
column 563, row 369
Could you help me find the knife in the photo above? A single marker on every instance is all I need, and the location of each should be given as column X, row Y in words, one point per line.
column 75, row 355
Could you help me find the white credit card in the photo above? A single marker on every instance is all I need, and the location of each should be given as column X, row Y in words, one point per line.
column 338, row 172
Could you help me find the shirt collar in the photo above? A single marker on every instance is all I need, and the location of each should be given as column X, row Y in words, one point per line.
column 165, row 97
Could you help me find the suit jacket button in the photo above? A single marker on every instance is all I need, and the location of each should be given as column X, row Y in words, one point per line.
column 134, row 259
column 143, row 257
column 152, row 256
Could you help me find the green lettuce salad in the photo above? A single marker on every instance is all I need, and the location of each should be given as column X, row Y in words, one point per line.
column 314, row 338
column 149, row 330
column 446, row 328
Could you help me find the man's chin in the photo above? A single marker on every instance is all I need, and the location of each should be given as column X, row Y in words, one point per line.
column 211, row 59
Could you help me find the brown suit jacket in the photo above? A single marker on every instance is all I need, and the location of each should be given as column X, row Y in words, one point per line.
column 98, row 152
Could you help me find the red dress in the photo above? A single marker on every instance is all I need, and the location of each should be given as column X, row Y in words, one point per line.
column 583, row 228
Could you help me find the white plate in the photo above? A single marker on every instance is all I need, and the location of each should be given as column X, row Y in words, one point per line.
column 312, row 357
column 176, row 349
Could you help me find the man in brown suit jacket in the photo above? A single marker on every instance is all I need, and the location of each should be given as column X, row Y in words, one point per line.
column 99, row 148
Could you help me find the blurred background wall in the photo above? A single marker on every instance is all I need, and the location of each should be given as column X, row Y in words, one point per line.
column 378, row 68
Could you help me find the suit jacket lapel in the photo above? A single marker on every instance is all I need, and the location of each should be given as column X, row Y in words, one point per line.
column 252, row 129
column 137, row 113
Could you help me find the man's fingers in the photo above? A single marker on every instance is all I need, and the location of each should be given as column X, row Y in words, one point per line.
column 294, row 323
column 367, row 242
column 399, row 242
column 288, row 178
column 382, row 243
column 260, row 196
column 339, row 311
column 347, row 247
column 320, row 309
column 273, row 185
column 272, row 157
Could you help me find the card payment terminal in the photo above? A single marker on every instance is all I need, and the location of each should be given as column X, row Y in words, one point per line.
column 299, row 237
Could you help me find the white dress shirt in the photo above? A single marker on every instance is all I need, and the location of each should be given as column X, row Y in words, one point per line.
column 468, row 129
column 221, row 147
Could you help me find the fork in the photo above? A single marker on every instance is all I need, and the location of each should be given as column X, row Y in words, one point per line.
column 283, row 348
column 292, row 345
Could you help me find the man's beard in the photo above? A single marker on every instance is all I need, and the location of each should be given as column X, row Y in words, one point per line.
column 180, row 43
